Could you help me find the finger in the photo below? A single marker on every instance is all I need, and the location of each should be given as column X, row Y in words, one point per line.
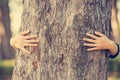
column 27, row 44
column 92, row 49
column 89, row 44
column 99, row 34
column 25, row 32
column 31, row 37
column 24, row 50
column 89, row 40
column 92, row 36
column 31, row 41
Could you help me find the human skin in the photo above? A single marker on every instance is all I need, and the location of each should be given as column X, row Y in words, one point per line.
column 99, row 42
column 23, row 40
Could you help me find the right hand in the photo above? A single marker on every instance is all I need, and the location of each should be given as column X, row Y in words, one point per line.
column 22, row 40
column 99, row 42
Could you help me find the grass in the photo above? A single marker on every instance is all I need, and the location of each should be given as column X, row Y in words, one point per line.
column 6, row 67
column 113, row 78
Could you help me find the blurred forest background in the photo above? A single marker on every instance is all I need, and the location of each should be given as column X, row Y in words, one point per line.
column 10, row 19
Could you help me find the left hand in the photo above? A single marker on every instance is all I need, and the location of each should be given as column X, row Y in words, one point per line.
column 23, row 40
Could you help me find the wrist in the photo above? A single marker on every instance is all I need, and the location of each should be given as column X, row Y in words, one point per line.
column 112, row 48
column 117, row 53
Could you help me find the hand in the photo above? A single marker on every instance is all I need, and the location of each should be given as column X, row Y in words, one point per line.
column 22, row 40
column 99, row 42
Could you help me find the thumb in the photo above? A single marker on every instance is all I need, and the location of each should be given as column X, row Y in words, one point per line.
column 25, row 51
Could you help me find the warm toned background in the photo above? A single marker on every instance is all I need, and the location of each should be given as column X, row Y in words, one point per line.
column 10, row 19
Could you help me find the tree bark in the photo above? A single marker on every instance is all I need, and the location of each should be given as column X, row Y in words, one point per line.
column 60, row 26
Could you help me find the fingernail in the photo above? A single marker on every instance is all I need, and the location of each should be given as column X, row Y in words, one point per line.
column 87, row 33
column 36, row 40
column 28, row 30
column 28, row 52
column 95, row 31
column 83, row 38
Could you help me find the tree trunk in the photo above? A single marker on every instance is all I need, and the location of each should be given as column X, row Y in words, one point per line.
column 60, row 26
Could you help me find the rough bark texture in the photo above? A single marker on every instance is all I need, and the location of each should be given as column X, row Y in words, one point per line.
column 60, row 26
